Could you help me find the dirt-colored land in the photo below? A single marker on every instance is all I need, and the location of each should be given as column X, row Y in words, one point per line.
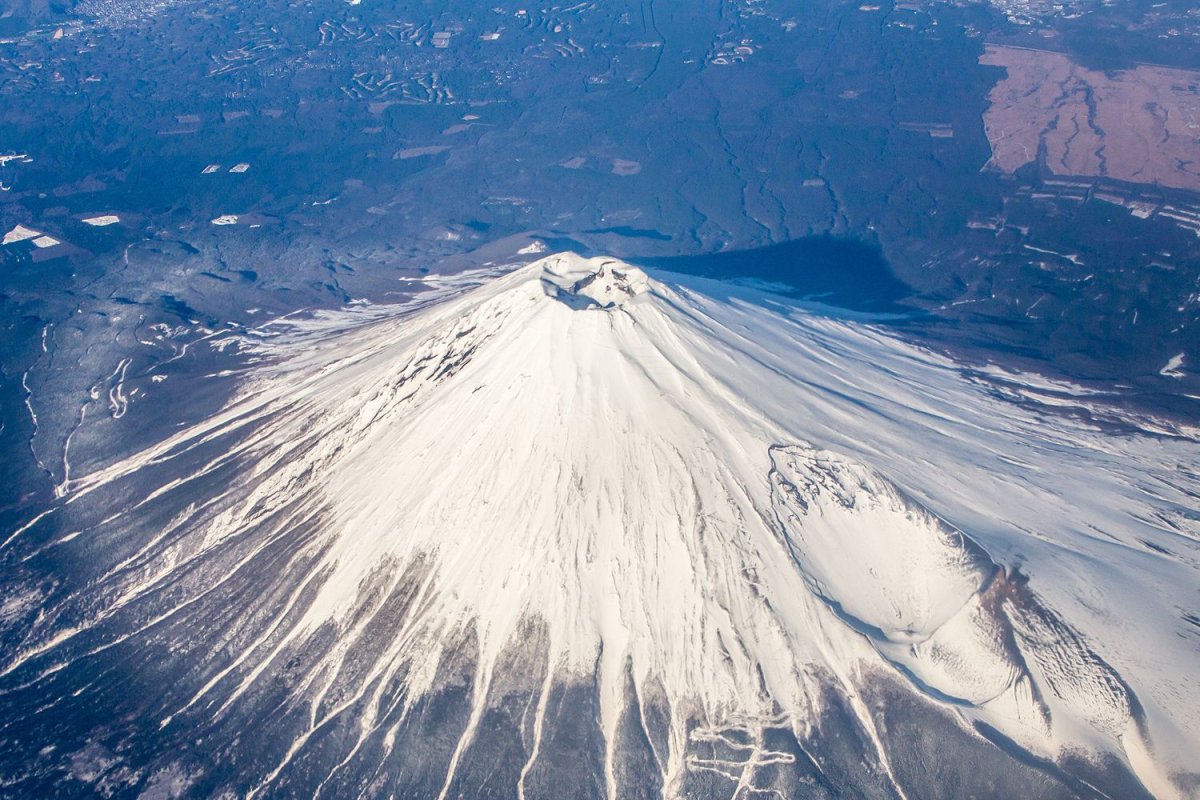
column 1140, row 125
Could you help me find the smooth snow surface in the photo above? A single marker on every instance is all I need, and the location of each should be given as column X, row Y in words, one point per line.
column 731, row 497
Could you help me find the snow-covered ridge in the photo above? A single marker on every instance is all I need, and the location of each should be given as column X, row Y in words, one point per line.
column 726, row 502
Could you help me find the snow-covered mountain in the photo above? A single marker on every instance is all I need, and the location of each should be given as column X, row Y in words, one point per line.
column 578, row 532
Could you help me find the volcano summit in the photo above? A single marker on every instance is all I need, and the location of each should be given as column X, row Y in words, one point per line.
column 575, row 531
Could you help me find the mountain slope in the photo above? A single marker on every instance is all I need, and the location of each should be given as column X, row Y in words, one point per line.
column 579, row 527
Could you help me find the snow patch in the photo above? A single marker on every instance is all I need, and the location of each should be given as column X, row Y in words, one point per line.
column 1172, row 367
column 19, row 234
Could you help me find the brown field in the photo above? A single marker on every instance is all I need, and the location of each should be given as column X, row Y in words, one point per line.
column 1140, row 125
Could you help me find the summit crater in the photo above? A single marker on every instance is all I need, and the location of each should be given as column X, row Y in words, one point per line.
column 592, row 283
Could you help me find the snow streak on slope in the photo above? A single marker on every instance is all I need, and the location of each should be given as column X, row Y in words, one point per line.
column 727, row 503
